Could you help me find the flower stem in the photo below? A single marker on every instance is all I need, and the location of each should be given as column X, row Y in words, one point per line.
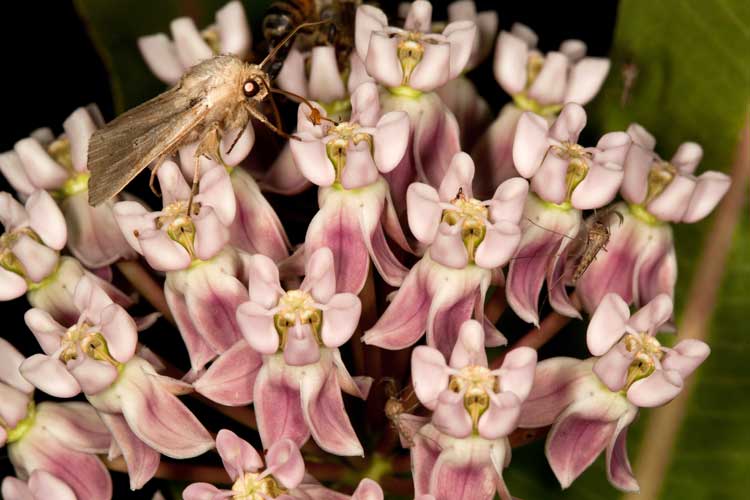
column 496, row 305
column 145, row 284
column 178, row 470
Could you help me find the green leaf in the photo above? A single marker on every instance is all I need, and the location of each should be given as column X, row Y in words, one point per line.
column 693, row 84
column 116, row 25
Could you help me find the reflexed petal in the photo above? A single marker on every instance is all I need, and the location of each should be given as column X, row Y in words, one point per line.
column 585, row 79
column 511, row 56
column 367, row 20
column 277, row 404
column 390, row 140
column 285, row 462
column 657, row 389
column 607, row 324
column 429, row 375
column 325, row 84
column 672, row 203
column 160, row 56
column 46, row 219
column 191, row 48
column 709, row 190
column 237, row 455
column 326, row 416
column 569, row 124
column 437, row 139
column 76, row 425
column 423, row 211
column 141, row 460
column 555, row 382
column 459, row 176
column 599, row 187
column 501, row 418
column 500, row 243
column 381, row 59
column 43, row 172
column 549, row 85
column 651, row 316
column 340, row 318
column 49, row 375
column 199, row 350
column 162, row 252
column 231, row 377
column 461, row 35
column 686, row 356
column 93, row 376
column 450, row 416
column 517, row 371
column 619, row 472
column 612, row 367
column 424, row 454
column 44, row 485
column 462, row 473
column 530, row 144
column 469, row 348
column 211, row 235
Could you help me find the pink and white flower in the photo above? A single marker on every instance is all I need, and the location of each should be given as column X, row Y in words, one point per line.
column 58, row 440
column 566, row 178
column 41, row 485
column 461, row 453
column 59, row 166
column 641, row 261
column 298, row 389
column 468, row 241
column 169, row 59
column 539, row 83
column 356, row 213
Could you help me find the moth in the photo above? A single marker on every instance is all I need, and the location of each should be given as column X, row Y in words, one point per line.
column 404, row 423
column 214, row 96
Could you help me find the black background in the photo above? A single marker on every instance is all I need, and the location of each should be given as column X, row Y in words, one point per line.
column 50, row 67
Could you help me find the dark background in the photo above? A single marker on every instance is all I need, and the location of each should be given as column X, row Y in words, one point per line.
column 50, row 67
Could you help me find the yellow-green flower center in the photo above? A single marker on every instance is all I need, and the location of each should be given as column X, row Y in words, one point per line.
column 646, row 351
column 410, row 51
column 250, row 486
column 472, row 215
column 534, row 66
column 179, row 225
column 476, row 382
column 294, row 306
column 81, row 339
column 8, row 259
column 336, row 148
column 21, row 427
column 659, row 177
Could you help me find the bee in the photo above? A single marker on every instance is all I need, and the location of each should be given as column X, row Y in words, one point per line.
column 282, row 18
column 216, row 95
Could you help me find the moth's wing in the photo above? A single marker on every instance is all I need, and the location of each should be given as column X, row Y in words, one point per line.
column 128, row 144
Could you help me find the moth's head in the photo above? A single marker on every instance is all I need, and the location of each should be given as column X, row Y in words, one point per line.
column 255, row 84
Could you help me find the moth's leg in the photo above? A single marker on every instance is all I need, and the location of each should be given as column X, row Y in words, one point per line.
column 262, row 118
column 151, row 180
column 208, row 145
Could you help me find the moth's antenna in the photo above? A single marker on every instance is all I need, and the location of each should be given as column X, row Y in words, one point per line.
column 276, row 115
column 317, row 116
column 272, row 54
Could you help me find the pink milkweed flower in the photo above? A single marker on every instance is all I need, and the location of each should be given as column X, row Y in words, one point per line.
column 468, row 240
column 41, row 486
column 460, row 95
column 59, row 439
column 461, row 453
column 311, row 489
column 96, row 356
column 632, row 359
column 566, row 179
column 169, row 59
column 255, row 227
column 539, row 83
column 641, row 261
column 298, row 389
column 59, row 166
column 346, row 160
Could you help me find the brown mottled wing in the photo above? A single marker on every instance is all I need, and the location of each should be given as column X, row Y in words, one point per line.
column 128, row 144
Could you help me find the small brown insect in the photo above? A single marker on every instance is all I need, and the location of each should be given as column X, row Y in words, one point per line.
column 216, row 95
column 405, row 424
column 629, row 74
column 597, row 237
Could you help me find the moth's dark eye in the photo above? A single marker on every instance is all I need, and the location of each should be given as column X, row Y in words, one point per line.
column 250, row 88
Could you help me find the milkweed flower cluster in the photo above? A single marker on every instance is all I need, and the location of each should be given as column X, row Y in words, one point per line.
column 282, row 309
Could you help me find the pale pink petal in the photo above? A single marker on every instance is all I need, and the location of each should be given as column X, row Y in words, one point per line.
column 450, row 416
column 686, row 356
column 15, row 489
column 141, row 460
column 429, row 374
column 459, row 176
column 237, row 455
column 231, row 377
column 500, row 243
column 419, row 16
column 453, row 303
column 12, row 285
column 655, row 390
column 433, row 70
column 12, row 214
column 709, row 190
column 367, row 20
column 613, row 147
column 687, row 157
column 10, row 361
column 368, row 490
column 301, row 347
column 359, row 170
column 204, row 491
column 461, row 35
column 340, row 318
column 132, row 217
column 501, row 418
column 76, row 425
column 38, row 260
column 44, row 485
column 637, row 166
column 612, row 367
column 277, row 405
column 651, row 316
column 320, row 278
column 120, row 331
column 365, row 100
column 619, row 472
column 672, row 203
column 357, row 73
column 234, row 30
column 463, row 474
column 211, row 235
column 160, row 56
column 517, row 371
column 508, row 202
column 13, row 170
column 15, row 406
column 511, row 55
column 157, row 417
column 530, row 144
column 46, row 330
column 162, row 252
column 585, row 79
column 469, row 348
column 549, row 85
column 93, row 376
column 285, row 462
column 423, row 211
column 212, row 303
column 657, row 267
column 569, row 124
column 78, row 128
column 43, row 172
column 325, row 84
column 263, row 278
column 381, row 58
column 49, row 375
column 599, row 187
column 292, row 76
column 191, row 48
column 424, row 454
column 550, row 181
column 172, row 183
column 46, row 219
column 390, row 140
column 448, row 247
column 199, row 351
column 607, row 324
column 311, row 159
column 575, row 50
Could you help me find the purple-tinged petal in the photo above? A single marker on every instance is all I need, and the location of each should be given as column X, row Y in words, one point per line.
column 43, row 172
column 199, row 351
column 463, row 473
column 573, row 49
column 46, row 219
column 434, row 69
column 13, row 170
column 381, row 59
column 500, row 243
column 231, row 378
column 390, row 140
column 530, row 143
column 419, row 16
column 46, row 330
column 612, row 367
column 93, row 376
column 234, row 30
column 672, row 203
column 326, row 416
column 459, row 176
column 585, row 79
column 324, row 83
column 276, row 399
column 619, row 472
column 12, row 285
column 204, row 491
column 388, row 265
column 450, row 416
column 655, row 390
column 44, row 485
column 367, row 20
column 657, row 267
column 160, row 56
column 511, row 56
column 501, row 418
column 461, row 35
column 599, row 187
column 471, row 110
column 49, row 375
column 211, row 235
column 607, row 324
column 157, row 417
column 141, row 460
column 429, row 373
column 359, row 387
column 257, row 326
column 191, row 48
column 686, row 356
column 237, row 455
column 437, row 139
column 78, row 128
column 549, row 85
column 709, row 190
column 76, row 425
column 687, row 157
column 469, row 348
column 263, row 277
column 423, row 211
column 424, row 454
column 448, row 247
column 555, row 386
column 517, row 371
column 340, row 318
column 311, row 159
column 10, row 361
column 651, row 316
column 508, row 202
column 285, row 462
column 452, row 305
column 368, row 490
